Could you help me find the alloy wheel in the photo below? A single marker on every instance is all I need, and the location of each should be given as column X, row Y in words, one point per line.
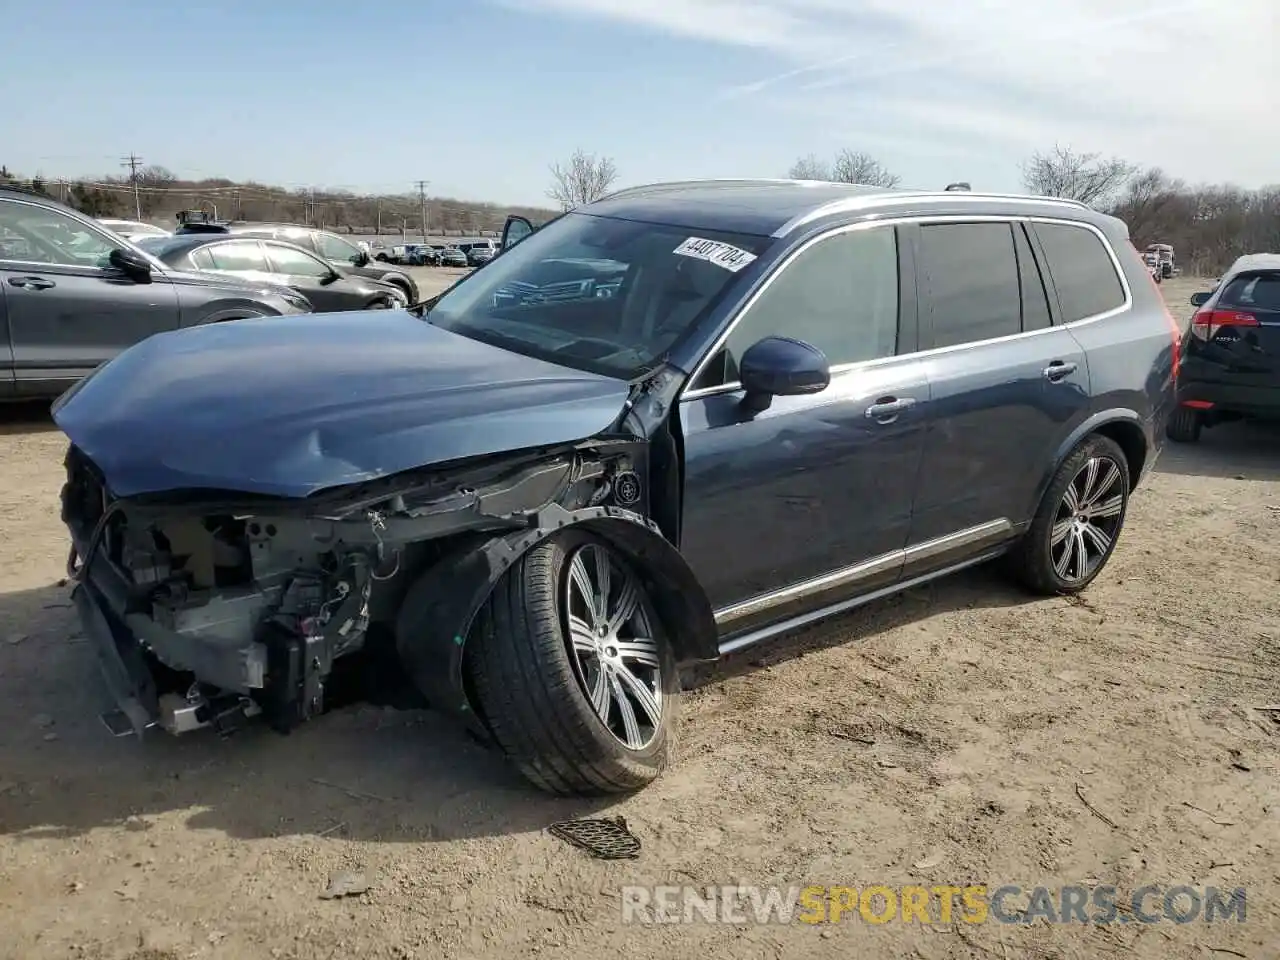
column 1088, row 519
column 612, row 641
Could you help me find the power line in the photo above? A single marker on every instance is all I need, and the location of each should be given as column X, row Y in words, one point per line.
column 133, row 162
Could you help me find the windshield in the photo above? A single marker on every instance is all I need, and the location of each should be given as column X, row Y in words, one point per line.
column 155, row 245
column 601, row 294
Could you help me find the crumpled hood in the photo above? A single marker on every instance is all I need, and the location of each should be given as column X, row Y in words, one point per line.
column 290, row 406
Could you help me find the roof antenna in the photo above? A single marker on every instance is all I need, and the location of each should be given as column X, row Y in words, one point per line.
column 959, row 185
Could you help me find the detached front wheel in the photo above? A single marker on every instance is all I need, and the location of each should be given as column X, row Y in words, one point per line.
column 572, row 671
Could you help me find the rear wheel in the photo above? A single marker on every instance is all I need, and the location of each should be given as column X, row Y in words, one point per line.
column 1078, row 523
column 382, row 303
column 1184, row 425
column 572, row 672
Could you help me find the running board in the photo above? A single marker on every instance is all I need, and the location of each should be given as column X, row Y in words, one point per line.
column 804, row 619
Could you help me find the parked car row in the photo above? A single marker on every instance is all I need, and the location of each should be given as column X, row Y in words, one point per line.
column 75, row 294
column 463, row 254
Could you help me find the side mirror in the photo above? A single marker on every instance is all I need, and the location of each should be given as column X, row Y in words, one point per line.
column 132, row 264
column 1200, row 299
column 333, row 277
column 781, row 367
column 515, row 230
column 361, row 259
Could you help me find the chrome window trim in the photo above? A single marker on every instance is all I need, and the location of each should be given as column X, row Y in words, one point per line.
column 854, row 204
column 688, row 394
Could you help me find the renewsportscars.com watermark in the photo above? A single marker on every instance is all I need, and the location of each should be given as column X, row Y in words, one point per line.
column 973, row 904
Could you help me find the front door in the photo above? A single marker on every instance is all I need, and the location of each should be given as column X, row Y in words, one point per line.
column 312, row 277
column 810, row 499
column 1008, row 387
column 68, row 310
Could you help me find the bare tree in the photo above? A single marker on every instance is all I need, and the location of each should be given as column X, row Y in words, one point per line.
column 849, row 166
column 809, row 168
column 1087, row 177
column 583, row 179
column 154, row 183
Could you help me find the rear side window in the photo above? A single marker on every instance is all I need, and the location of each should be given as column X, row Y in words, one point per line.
column 1082, row 270
column 968, row 281
column 239, row 256
column 1257, row 291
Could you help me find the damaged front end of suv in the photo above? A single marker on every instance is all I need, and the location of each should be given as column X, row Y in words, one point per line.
column 209, row 608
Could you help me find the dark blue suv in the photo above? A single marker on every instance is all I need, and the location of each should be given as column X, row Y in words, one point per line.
column 661, row 428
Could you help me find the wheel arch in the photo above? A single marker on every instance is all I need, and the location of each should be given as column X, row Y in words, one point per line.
column 439, row 608
column 402, row 281
column 1120, row 425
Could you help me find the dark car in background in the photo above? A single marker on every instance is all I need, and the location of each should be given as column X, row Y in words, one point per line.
column 797, row 398
column 328, row 246
column 326, row 286
column 453, row 257
column 1231, row 352
column 73, row 295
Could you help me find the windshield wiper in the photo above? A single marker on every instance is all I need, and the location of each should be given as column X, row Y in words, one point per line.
column 423, row 307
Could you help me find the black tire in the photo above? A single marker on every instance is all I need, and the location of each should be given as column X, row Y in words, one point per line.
column 532, row 687
column 1037, row 561
column 1184, row 425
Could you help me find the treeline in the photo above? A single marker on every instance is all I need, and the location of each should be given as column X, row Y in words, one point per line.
column 160, row 194
column 1208, row 226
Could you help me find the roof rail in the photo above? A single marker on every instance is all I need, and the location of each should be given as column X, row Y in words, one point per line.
column 638, row 188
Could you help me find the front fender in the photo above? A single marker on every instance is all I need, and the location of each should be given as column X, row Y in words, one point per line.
column 440, row 607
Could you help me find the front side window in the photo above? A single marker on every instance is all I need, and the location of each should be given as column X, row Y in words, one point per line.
column 968, row 281
column 35, row 234
column 839, row 295
column 239, row 256
column 335, row 248
column 296, row 263
column 597, row 293
column 1082, row 271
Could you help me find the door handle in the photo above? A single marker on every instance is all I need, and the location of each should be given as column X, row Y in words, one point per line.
column 886, row 409
column 1060, row 370
column 31, row 283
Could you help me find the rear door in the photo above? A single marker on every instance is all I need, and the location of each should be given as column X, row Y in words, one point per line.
column 67, row 309
column 6, row 348
column 1007, row 385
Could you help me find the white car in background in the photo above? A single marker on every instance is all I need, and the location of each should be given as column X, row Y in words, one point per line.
column 134, row 230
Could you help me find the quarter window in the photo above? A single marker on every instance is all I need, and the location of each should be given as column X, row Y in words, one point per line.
column 1082, row 270
column 969, row 282
column 1035, row 303
column 239, row 256
column 840, row 295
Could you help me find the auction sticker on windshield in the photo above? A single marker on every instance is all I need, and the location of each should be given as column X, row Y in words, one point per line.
column 724, row 255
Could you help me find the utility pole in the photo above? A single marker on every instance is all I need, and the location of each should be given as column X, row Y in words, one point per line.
column 422, row 199
column 378, row 231
column 133, row 162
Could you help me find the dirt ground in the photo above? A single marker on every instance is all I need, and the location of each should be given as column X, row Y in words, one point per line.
column 958, row 734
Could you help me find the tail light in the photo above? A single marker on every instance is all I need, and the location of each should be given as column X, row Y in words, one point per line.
column 1206, row 324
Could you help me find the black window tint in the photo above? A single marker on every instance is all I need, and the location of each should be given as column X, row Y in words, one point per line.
column 969, row 281
column 239, row 256
column 1082, row 271
column 296, row 263
column 1259, row 291
column 1035, row 303
column 840, row 295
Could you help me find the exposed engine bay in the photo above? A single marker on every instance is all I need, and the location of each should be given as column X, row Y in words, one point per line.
column 223, row 607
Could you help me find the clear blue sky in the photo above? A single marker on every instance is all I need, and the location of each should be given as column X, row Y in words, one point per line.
column 480, row 96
